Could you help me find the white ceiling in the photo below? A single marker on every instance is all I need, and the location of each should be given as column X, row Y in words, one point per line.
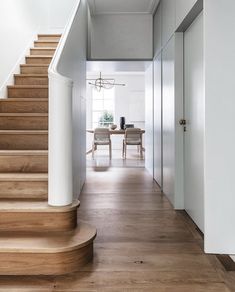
column 122, row 6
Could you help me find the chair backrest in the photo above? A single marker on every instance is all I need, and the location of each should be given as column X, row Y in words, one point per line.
column 101, row 134
column 133, row 134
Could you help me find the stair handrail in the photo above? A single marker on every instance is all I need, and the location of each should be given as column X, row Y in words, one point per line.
column 53, row 68
column 60, row 174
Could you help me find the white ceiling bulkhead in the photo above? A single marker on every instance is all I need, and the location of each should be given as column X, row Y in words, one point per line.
column 122, row 6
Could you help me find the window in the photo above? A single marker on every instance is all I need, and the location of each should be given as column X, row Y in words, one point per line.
column 103, row 107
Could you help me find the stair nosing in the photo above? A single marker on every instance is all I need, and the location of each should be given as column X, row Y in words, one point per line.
column 23, row 75
column 23, row 152
column 34, row 65
column 49, row 35
column 77, row 243
column 10, row 114
column 32, row 206
column 23, row 176
column 28, row 86
column 25, row 132
column 39, row 56
column 47, row 41
column 23, row 99
column 43, row 48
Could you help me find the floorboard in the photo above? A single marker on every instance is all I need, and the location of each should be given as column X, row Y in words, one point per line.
column 142, row 243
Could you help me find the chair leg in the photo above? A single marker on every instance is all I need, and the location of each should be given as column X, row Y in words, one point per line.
column 93, row 151
column 125, row 151
column 141, row 151
column 110, row 150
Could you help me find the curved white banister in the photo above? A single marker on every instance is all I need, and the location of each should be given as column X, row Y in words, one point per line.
column 53, row 68
column 60, row 168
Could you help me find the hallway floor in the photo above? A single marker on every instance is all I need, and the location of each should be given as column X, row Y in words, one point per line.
column 142, row 243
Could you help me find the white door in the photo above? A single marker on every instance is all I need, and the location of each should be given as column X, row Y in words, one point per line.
column 149, row 119
column 158, row 120
column 194, row 116
column 168, row 121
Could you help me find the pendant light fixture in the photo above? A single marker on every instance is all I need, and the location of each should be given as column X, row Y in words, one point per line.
column 104, row 83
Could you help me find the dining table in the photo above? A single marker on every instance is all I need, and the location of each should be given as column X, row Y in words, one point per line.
column 113, row 132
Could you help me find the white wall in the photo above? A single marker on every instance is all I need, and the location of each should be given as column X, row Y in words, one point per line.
column 168, row 17
column 58, row 13
column 166, row 21
column 73, row 65
column 125, row 36
column 219, row 199
column 182, row 8
column 157, row 32
column 219, row 126
column 20, row 20
column 149, row 119
column 129, row 102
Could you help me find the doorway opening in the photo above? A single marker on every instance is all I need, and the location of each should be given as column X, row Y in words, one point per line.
column 123, row 97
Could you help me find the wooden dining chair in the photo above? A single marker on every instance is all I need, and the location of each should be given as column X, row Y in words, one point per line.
column 101, row 137
column 133, row 136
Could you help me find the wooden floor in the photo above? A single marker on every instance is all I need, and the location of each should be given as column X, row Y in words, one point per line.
column 142, row 243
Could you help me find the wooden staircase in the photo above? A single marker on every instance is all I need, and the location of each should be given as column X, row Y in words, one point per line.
column 35, row 238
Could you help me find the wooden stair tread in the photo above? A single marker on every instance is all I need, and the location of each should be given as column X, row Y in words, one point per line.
column 25, row 132
column 28, row 86
column 34, row 206
column 23, row 176
column 35, row 238
column 39, row 56
column 43, row 48
column 12, row 99
column 57, row 242
column 49, row 35
column 23, row 114
column 34, row 65
column 32, row 75
column 23, row 152
column 46, row 41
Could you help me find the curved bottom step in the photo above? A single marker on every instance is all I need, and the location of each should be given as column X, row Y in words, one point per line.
column 36, row 216
column 46, row 254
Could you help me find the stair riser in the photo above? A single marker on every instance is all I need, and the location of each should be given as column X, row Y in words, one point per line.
column 24, row 142
column 45, row 52
column 31, row 80
column 32, row 60
column 23, row 190
column 23, row 123
column 45, row 263
column 45, row 44
column 24, row 107
column 38, row 221
column 24, row 164
column 48, row 38
column 28, row 92
column 33, row 70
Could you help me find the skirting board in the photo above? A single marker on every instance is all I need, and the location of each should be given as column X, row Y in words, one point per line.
column 227, row 262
